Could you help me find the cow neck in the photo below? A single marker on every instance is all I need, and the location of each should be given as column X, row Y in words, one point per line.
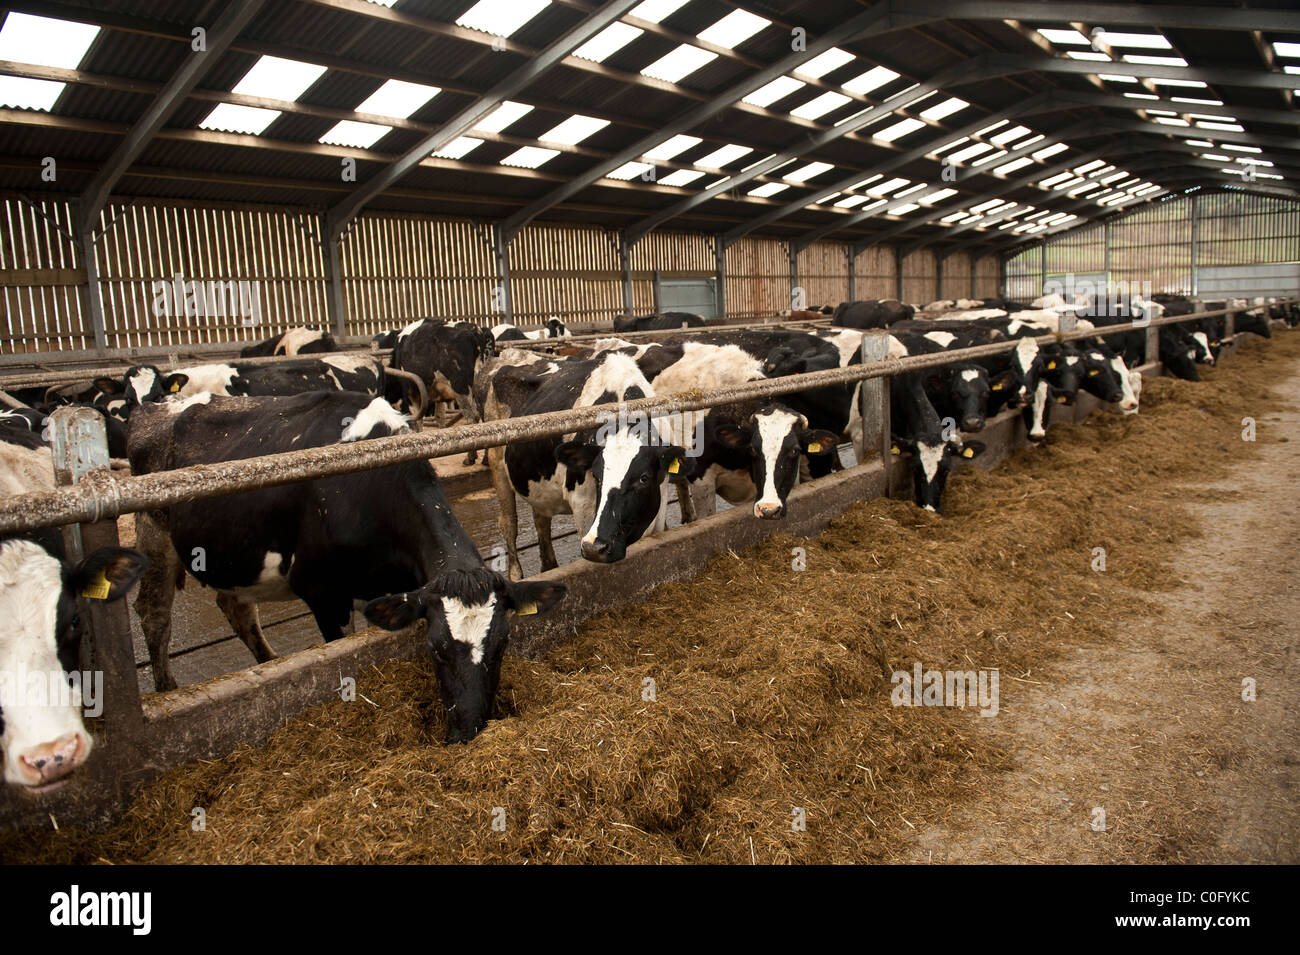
column 442, row 543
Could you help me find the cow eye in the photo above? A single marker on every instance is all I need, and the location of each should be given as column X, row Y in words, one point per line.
column 643, row 479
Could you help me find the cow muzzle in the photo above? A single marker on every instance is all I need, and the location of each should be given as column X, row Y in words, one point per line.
column 47, row 766
column 767, row 511
column 601, row 551
column 972, row 423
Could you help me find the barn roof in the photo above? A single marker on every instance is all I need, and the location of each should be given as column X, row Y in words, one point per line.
column 957, row 122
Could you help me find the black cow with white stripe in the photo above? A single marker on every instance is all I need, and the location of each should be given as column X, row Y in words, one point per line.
column 873, row 313
column 612, row 478
column 917, row 431
column 295, row 341
column 654, row 323
column 387, row 536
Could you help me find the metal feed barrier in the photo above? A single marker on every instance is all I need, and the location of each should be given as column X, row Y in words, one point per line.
column 146, row 737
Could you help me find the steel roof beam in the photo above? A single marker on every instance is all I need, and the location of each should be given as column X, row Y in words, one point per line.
column 1009, row 63
column 889, row 165
column 233, row 19
column 339, row 215
column 1060, row 99
column 879, row 19
column 1187, row 16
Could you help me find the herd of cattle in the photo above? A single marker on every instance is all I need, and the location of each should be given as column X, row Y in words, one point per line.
column 387, row 538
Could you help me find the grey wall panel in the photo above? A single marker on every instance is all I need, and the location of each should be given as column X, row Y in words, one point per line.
column 1249, row 280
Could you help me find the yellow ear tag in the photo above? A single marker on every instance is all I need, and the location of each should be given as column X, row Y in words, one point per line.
column 98, row 588
column 176, row 386
column 526, row 609
column 1093, row 372
column 674, row 466
column 814, row 448
column 1051, row 365
column 967, row 453
column 894, row 450
column 997, row 387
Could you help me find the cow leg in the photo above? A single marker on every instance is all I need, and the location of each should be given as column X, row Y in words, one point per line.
column 243, row 617
column 157, row 591
column 545, row 546
column 685, row 502
column 507, row 515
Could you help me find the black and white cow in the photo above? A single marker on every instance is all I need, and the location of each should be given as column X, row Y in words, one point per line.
column 387, row 536
column 654, row 323
column 554, row 328
column 361, row 373
column 744, row 451
column 295, row 341
column 445, row 355
column 874, row 313
column 613, row 478
column 917, row 431
column 41, row 729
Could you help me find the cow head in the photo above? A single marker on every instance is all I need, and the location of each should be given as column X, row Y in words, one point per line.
column 774, row 438
column 1063, row 369
column 41, row 730
column 467, row 635
column 969, row 390
column 143, row 383
column 932, row 460
column 630, row 469
column 1107, row 377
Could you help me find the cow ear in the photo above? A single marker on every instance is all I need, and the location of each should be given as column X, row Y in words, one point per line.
column 534, row 596
column 1002, row 382
column 396, row 611
column 174, row 383
column 973, row 449
column 577, row 456
column 109, row 573
column 733, row 436
column 672, row 458
column 902, row 446
column 110, row 386
column 817, row 441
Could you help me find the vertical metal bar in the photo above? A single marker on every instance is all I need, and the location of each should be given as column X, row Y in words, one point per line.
column 1195, row 241
column 80, row 443
column 873, row 402
column 501, row 257
column 974, row 274
column 792, row 255
column 898, row 275
column 720, row 267
column 334, row 299
column 938, row 276
column 91, row 299
column 1042, row 268
column 625, row 264
column 658, row 301
column 853, row 272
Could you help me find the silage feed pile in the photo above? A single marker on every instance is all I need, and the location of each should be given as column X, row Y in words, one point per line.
column 771, row 686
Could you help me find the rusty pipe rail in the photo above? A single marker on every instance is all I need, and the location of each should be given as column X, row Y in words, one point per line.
column 102, row 495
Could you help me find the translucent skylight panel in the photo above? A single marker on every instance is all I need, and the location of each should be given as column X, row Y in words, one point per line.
column 992, row 157
column 940, row 150
column 574, row 130
column 1217, row 157
column 1142, row 41
column 1166, row 121
column 1050, row 151
column 1012, row 166
column 779, row 88
column 351, row 133
column 954, row 216
column 1232, row 127
column 937, row 196
column 885, row 188
column 45, row 41
column 1286, row 48
column 1004, row 137
column 19, row 92
column 866, row 182
column 946, row 108
column 874, row 78
column 1087, row 55
column 825, row 63
column 459, row 147
column 682, row 177
column 230, row 118
column 905, row 208
column 1154, row 60
column 1200, row 142
column 828, row 101
column 899, row 129
column 1164, row 82
column 1201, row 102
column 1117, row 78
column 1141, row 95
column 672, row 147
column 274, row 77
column 398, row 98
column 607, row 42
column 768, row 189
column 848, row 202
column 683, row 61
column 1240, row 149
column 1055, row 182
column 530, row 157
column 733, row 29
column 1065, row 36
column 502, row 116
column 723, row 155
column 810, row 171
column 1090, row 166
column 971, row 151
column 629, row 170
column 501, row 17
column 910, row 190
